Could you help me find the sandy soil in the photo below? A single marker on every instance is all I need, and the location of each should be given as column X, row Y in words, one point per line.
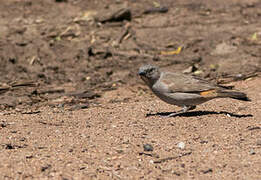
column 222, row 140
column 72, row 106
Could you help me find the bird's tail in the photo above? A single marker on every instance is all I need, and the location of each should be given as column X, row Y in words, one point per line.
column 234, row 94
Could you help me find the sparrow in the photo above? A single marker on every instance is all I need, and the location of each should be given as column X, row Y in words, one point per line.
column 182, row 90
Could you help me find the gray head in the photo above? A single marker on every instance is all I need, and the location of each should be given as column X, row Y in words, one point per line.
column 149, row 74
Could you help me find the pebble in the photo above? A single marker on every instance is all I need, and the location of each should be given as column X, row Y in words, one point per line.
column 209, row 170
column 181, row 145
column 252, row 152
column 228, row 115
column 147, row 147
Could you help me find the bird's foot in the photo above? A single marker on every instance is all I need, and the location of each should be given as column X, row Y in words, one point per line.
column 182, row 111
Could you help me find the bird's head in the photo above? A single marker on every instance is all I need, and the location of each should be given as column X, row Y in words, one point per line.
column 149, row 74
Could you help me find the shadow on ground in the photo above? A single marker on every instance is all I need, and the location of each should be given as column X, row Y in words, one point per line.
column 198, row 113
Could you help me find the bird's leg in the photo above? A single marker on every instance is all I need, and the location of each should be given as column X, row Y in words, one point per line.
column 191, row 108
column 183, row 110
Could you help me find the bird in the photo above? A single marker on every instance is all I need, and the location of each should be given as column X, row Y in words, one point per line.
column 185, row 91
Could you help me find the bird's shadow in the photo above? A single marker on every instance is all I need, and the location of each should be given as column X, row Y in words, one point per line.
column 198, row 113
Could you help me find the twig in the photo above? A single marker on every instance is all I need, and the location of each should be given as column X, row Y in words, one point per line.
column 51, row 91
column 239, row 77
column 31, row 84
column 149, row 154
column 171, row 158
column 123, row 35
column 14, row 85
column 30, row 112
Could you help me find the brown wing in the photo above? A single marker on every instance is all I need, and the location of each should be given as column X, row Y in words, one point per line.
column 188, row 84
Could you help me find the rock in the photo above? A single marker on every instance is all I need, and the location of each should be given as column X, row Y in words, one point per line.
column 147, row 147
column 209, row 170
column 181, row 145
column 161, row 9
column 190, row 69
column 252, row 152
column 114, row 15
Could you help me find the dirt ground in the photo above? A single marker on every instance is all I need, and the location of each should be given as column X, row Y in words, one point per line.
column 73, row 107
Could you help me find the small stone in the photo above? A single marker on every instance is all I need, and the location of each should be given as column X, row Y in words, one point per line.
column 181, row 145
column 213, row 67
column 119, row 151
column 198, row 72
column 252, row 152
column 204, row 142
column 175, row 172
column 228, row 115
column 191, row 69
column 188, row 70
column 209, row 170
column 147, row 147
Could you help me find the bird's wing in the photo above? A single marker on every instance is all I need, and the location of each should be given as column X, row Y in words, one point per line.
column 188, row 84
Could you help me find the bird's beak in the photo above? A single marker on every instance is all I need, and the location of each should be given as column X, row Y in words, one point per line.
column 141, row 73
